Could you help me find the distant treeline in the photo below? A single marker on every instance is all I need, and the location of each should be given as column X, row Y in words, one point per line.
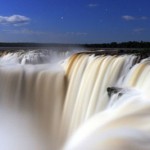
column 32, row 44
column 130, row 44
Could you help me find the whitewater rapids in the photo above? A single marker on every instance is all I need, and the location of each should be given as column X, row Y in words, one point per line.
column 60, row 101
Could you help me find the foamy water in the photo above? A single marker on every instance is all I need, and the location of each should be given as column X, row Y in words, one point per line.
column 50, row 102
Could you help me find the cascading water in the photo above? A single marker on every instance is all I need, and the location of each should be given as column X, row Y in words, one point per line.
column 66, row 106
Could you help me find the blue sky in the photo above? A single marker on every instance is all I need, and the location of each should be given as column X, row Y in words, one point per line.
column 74, row 21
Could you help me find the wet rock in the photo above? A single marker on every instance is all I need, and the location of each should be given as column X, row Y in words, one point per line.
column 114, row 90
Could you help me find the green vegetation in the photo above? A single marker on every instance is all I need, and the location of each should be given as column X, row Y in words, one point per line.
column 130, row 44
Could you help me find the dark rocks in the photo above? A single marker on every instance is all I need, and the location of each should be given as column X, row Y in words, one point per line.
column 114, row 90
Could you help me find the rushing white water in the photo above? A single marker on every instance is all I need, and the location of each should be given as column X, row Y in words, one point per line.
column 33, row 90
column 125, row 125
column 87, row 90
column 34, row 57
column 45, row 104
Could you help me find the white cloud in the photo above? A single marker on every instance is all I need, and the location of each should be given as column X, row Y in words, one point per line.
column 77, row 33
column 92, row 5
column 14, row 20
column 25, row 31
column 131, row 18
column 128, row 18
column 143, row 18
column 139, row 30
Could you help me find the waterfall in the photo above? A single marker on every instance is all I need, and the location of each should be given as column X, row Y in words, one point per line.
column 85, row 101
